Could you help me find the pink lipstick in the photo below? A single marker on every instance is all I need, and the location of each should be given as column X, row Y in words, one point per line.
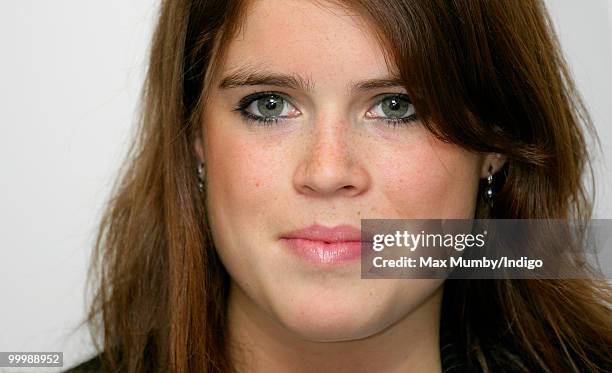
column 327, row 246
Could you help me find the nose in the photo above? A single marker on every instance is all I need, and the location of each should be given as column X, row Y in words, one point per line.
column 330, row 165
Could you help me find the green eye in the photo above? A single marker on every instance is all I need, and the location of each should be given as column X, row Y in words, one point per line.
column 395, row 107
column 266, row 108
column 270, row 106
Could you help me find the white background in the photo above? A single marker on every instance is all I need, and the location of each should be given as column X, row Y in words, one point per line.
column 70, row 77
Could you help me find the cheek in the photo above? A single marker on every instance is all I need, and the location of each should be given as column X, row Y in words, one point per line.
column 431, row 180
column 239, row 170
column 240, row 173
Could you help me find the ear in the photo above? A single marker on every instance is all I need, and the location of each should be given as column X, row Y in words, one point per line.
column 198, row 146
column 493, row 162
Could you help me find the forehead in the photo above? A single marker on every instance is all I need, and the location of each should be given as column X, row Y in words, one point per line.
column 319, row 40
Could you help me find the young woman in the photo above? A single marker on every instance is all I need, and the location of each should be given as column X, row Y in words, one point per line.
column 269, row 123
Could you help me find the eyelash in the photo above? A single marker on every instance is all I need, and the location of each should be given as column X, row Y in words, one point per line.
column 251, row 118
column 396, row 122
column 399, row 122
column 256, row 119
column 262, row 121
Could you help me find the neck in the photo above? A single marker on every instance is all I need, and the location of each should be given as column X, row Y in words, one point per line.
column 260, row 344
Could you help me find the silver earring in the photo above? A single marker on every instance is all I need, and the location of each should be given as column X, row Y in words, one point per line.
column 489, row 190
column 201, row 176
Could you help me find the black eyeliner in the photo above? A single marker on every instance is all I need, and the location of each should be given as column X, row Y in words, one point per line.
column 397, row 122
column 251, row 118
column 247, row 100
column 400, row 122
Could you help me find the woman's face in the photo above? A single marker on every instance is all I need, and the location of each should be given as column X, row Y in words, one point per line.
column 340, row 145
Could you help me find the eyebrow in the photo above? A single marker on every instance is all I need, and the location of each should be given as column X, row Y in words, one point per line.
column 387, row 82
column 250, row 77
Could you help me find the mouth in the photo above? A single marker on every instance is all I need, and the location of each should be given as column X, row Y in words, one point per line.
column 322, row 245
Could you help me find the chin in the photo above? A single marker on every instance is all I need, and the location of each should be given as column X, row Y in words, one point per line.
column 350, row 313
column 332, row 318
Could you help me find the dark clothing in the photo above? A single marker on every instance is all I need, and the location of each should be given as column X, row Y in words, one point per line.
column 92, row 365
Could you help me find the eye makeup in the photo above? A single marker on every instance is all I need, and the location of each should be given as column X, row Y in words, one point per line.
column 388, row 102
column 273, row 98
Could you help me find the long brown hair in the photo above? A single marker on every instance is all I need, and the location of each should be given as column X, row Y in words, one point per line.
column 487, row 75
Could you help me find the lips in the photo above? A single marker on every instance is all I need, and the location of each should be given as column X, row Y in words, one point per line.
column 322, row 245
